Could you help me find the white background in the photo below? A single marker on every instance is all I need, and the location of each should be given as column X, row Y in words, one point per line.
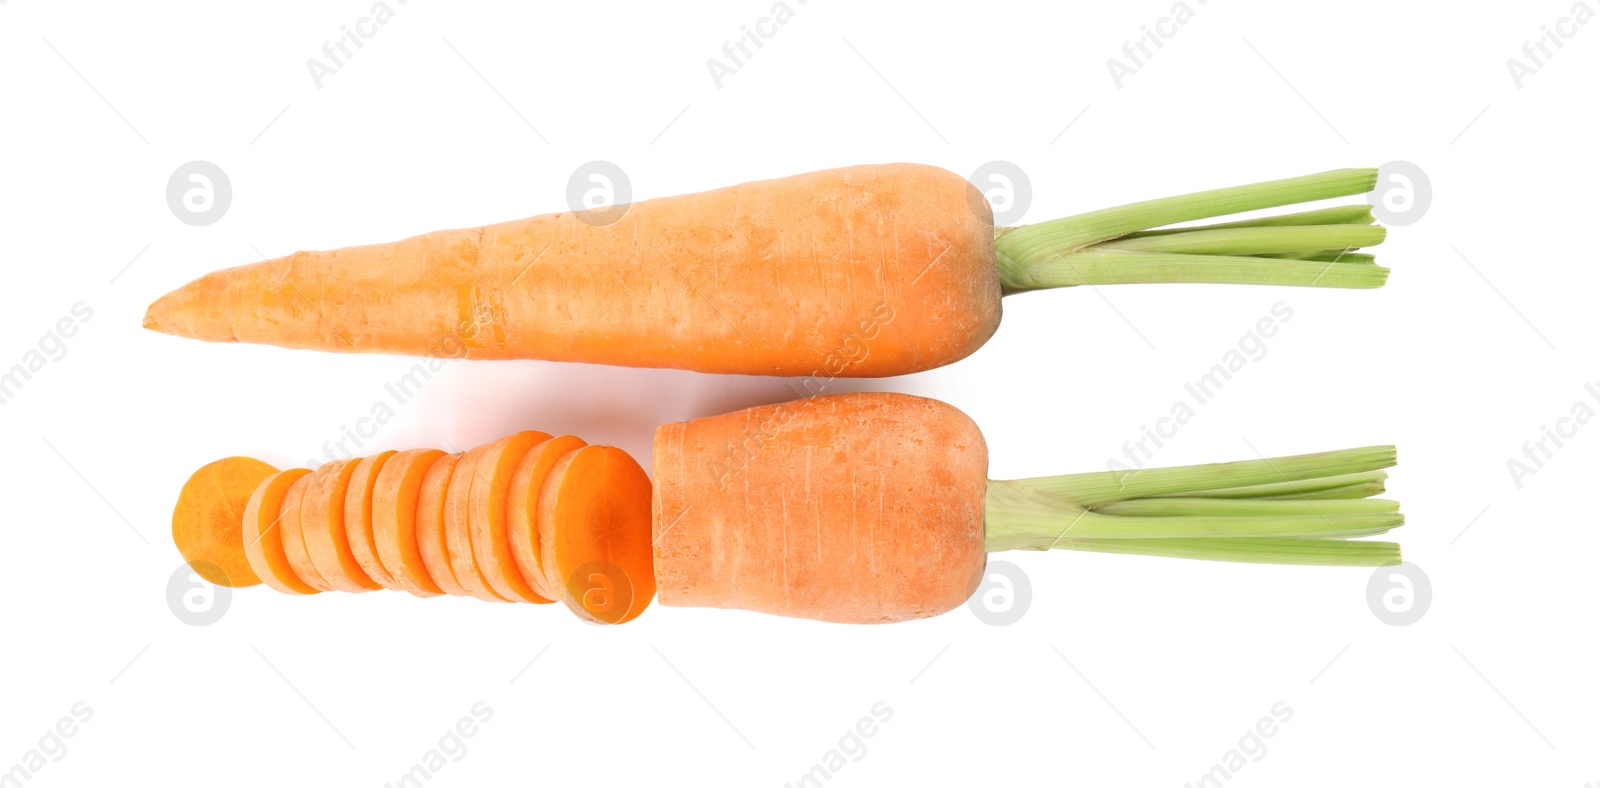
column 1124, row 670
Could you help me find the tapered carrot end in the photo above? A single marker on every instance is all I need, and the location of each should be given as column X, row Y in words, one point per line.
column 194, row 310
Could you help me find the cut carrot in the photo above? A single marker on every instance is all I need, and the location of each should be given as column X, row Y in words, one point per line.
column 394, row 519
column 491, row 548
column 458, row 529
column 431, row 542
column 294, row 541
column 205, row 523
column 594, row 528
column 263, row 533
column 896, row 268
column 857, row 508
column 322, row 523
column 358, row 518
column 522, row 517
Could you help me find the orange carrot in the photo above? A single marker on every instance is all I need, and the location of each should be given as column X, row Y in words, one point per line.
column 527, row 481
column 491, row 545
column 896, row 268
column 205, row 523
column 322, row 525
column 294, row 541
column 395, row 498
column 594, row 529
column 358, row 518
column 458, row 529
column 431, row 540
column 263, row 533
column 875, row 507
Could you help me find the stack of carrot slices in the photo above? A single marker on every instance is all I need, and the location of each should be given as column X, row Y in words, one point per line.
column 527, row 518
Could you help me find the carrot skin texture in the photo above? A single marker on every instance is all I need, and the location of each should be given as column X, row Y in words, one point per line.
column 864, row 271
column 853, row 508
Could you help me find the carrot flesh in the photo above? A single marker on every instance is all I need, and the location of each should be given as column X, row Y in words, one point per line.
column 322, row 522
column 860, row 508
column 431, row 542
column 358, row 518
column 263, row 533
column 895, row 259
column 395, row 495
column 458, row 529
column 205, row 521
column 527, row 481
column 594, row 526
column 294, row 542
column 491, row 547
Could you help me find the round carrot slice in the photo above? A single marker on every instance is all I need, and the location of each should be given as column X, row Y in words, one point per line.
column 523, row 506
column 322, row 522
column 430, row 524
column 206, row 523
column 486, row 517
column 294, row 540
column 594, row 531
column 458, row 532
column 263, row 536
column 394, row 519
column 358, row 518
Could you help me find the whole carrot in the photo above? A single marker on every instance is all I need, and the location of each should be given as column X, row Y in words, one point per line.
column 863, row 271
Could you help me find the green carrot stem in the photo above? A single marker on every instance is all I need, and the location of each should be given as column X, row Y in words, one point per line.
column 1297, row 489
column 1359, row 490
column 1303, row 552
column 1049, row 254
column 1339, row 214
column 1242, row 507
column 1098, row 488
column 1309, row 240
column 1100, row 266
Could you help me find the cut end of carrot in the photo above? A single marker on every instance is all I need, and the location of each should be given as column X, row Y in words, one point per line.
column 594, row 522
column 206, row 521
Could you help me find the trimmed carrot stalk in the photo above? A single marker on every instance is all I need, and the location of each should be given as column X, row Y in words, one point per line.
column 358, row 518
column 875, row 507
column 395, row 498
column 263, row 535
column 491, row 545
column 458, row 529
column 431, row 540
column 205, row 522
column 858, row 508
column 527, row 481
column 294, row 542
column 897, row 267
column 322, row 524
column 595, row 525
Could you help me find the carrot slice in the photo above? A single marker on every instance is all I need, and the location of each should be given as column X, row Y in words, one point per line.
column 322, row 522
column 458, row 532
column 358, row 518
column 394, row 519
column 522, row 515
column 205, row 523
column 491, row 549
column 594, row 530
column 430, row 524
column 294, row 541
column 263, row 536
